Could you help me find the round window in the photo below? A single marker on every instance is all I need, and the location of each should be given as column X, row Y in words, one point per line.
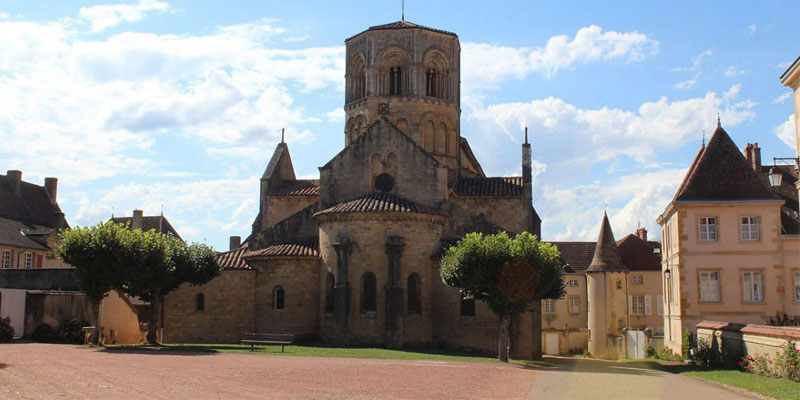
column 384, row 182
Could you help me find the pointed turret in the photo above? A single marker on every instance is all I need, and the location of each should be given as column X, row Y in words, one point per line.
column 606, row 254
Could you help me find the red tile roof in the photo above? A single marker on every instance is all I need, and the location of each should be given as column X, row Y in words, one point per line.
column 233, row 259
column 639, row 255
column 295, row 248
column 720, row 172
column 490, row 186
column 299, row 187
column 377, row 202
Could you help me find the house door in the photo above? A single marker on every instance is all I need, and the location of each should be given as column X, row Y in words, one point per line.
column 635, row 344
column 13, row 307
column 551, row 344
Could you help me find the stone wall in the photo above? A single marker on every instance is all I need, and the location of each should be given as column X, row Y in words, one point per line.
column 41, row 279
column 299, row 278
column 227, row 315
column 507, row 212
column 732, row 341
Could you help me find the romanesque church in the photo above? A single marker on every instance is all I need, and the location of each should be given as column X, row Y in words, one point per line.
column 353, row 258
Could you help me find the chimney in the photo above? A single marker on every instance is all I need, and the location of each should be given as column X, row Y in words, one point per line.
column 236, row 242
column 136, row 223
column 51, row 186
column 756, row 157
column 748, row 153
column 641, row 233
column 15, row 180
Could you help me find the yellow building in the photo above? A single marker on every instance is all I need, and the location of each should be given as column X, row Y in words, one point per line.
column 731, row 242
column 791, row 78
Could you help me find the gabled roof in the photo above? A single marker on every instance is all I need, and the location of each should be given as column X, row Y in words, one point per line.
column 279, row 156
column 490, row 186
column 159, row 223
column 15, row 233
column 294, row 248
column 639, row 255
column 31, row 206
column 299, row 187
column 720, row 172
column 606, row 254
column 402, row 25
column 233, row 259
column 377, row 202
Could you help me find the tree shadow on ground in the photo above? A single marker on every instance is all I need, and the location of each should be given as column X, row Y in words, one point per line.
column 162, row 350
column 570, row 364
column 3, row 366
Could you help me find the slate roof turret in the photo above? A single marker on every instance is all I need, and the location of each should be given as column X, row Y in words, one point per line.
column 606, row 254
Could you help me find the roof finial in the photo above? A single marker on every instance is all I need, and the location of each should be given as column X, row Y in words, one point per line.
column 282, row 135
column 526, row 135
column 403, row 10
column 718, row 121
column 704, row 138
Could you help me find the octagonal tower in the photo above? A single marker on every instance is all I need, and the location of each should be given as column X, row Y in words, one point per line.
column 416, row 71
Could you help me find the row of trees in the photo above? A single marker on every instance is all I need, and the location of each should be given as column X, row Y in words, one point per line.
column 144, row 264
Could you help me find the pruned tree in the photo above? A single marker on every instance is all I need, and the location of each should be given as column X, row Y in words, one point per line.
column 147, row 264
column 508, row 274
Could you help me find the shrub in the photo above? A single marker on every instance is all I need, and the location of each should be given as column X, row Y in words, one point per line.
column 45, row 333
column 687, row 343
column 704, row 356
column 759, row 364
column 783, row 320
column 787, row 363
column 667, row 355
column 6, row 330
column 650, row 352
column 70, row 332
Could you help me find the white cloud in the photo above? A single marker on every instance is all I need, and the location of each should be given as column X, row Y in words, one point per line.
column 634, row 199
column 787, row 133
column 752, row 28
column 684, row 85
column 335, row 115
column 580, row 136
column 782, row 98
column 732, row 72
column 86, row 109
column 102, row 17
column 485, row 65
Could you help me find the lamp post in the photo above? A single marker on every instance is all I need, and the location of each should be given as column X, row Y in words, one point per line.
column 775, row 174
column 667, row 274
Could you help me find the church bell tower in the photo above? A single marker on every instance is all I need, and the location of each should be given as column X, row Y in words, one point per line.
column 415, row 71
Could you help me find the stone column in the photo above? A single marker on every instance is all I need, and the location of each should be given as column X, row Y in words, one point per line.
column 341, row 289
column 394, row 293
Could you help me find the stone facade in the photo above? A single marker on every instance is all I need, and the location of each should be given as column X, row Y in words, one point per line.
column 352, row 258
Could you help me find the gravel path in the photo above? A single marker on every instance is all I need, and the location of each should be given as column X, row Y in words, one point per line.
column 45, row 371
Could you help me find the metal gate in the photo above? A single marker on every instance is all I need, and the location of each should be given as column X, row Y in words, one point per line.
column 551, row 344
column 635, row 344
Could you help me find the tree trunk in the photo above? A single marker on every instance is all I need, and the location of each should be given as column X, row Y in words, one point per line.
column 95, row 337
column 536, row 329
column 502, row 338
column 152, row 327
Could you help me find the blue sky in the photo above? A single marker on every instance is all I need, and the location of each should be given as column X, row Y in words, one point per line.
column 180, row 103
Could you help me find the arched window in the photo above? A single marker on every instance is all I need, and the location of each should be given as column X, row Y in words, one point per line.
column 278, row 299
column 384, row 182
column 414, row 305
column 393, row 77
column 368, row 299
column 436, row 77
column 467, row 307
column 431, row 76
column 357, row 81
column 200, row 302
column 330, row 281
column 395, row 81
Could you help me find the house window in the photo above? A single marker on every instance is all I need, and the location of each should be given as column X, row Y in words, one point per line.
column 200, row 302
column 620, row 324
column 752, row 288
column 5, row 262
column 27, row 261
column 368, row 301
column 572, row 282
column 467, row 307
column 574, row 304
column 797, row 287
column 637, row 279
column 413, row 306
column 619, row 284
column 708, row 229
column 709, row 286
column 637, row 305
column 750, row 229
column 330, row 281
column 278, row 299
column 550, row 306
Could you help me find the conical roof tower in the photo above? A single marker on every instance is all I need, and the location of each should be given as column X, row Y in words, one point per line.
column 606, row 254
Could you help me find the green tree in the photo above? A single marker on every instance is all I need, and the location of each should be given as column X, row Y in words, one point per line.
column 144, row 264
column 507, row 273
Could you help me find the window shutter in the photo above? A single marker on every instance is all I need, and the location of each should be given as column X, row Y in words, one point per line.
column 630, row 304
column 660, row 305
column 648, row 308
column 39, row 259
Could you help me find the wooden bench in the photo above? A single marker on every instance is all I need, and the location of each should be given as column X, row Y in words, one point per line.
column 267, row 338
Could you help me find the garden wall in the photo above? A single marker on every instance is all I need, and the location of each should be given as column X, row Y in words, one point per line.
column 730, row 342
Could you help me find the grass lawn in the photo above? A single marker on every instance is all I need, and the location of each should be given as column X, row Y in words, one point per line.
column 324, row 351
column 772, row 387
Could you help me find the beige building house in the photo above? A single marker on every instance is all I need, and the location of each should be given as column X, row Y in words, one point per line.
column 353, row 257
column 791, row 79
column 731, row 242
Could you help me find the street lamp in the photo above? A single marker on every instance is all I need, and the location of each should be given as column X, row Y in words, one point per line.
column 666, row 273
column 775, row 175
